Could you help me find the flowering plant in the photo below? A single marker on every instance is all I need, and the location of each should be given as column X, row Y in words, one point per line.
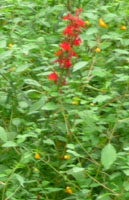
column 67, row 47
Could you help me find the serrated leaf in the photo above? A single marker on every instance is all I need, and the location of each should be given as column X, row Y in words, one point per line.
column 79, row 65
column 108, row 156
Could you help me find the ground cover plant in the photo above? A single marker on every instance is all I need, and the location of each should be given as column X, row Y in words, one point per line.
column 64, row 100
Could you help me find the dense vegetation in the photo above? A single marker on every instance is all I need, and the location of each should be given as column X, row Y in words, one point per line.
column 64, row 100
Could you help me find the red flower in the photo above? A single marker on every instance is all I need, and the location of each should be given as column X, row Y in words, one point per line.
column 53, row 77
column 58, row 53
column 73, row 54
column 77, row 42
column 68, row 30
column 65, row 46
column 67, row 63
column 68, row 17
column 80, row 23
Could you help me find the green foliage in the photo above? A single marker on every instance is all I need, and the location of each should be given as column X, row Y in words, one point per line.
column 79, row 131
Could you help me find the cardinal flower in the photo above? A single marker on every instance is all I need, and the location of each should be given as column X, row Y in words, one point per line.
column 53, row 77
column 67, row 63
column 68, row 30
column 65, row 46
column 77, row 42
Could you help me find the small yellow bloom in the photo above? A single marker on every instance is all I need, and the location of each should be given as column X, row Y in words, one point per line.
column 75, row 103
column 13, row 69
column 123, row 28
column 37, row 156
column 92, row 104
column 35, row 170
column 68, row 190
column 10, row 45
column 97, row 50
column 87, row 23
column 102, row 23
column 67, row 157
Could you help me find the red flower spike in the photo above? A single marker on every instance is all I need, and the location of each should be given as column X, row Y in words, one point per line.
column 65, row 46
column 53, row 77
column 38, row 197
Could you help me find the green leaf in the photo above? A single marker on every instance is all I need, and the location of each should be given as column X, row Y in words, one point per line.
column 108, row 156
column 77, row 169
column 20, row 179
column 49, row 106
column 70, row 146
column 49, row 141
column 5, row 55
column 92, row 31
column 23, row 104
column 101, row 98
column 9, row 144
column 32, row 82
column 126, row 171
column 22, row 68
column 79, row 65
column 78, row 174
column 3, row 134
column 3, row 44
column 37, row 105
column 3, row 98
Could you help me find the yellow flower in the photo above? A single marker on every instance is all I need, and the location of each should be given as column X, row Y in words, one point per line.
column 97, row 50
column 67, row 157
column 87, row 23
column 10, row 45
column 35, row 170
column 102, row 23
column 13, row 69
column 75, row 103
column 92, row 104
column 37, row 156
column 68, row 190
column 123, row 28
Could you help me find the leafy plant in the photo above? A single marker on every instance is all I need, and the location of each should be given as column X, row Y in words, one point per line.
column 64, row 100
